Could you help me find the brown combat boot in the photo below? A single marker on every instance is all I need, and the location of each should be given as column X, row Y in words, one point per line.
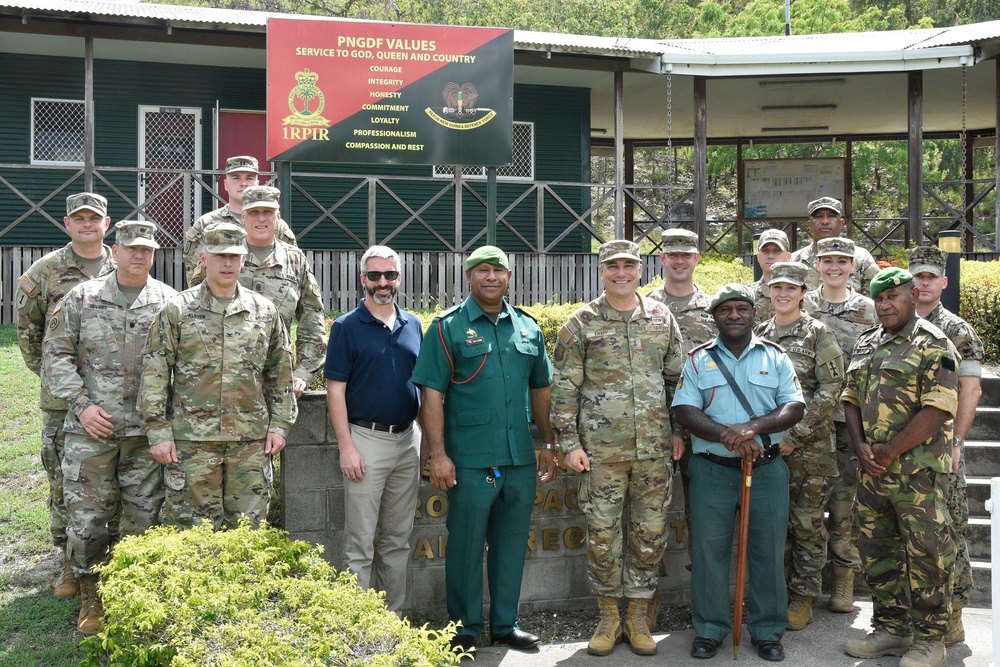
column 800, row 611
column 609, row 628
column 66, row 585
column 653, row 610
column 925, row 653
column 956, row 631
column 91, row 608
column 842, row 598
column 637, row 627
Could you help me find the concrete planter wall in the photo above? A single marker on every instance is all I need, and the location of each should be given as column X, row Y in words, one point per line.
column 555, row 576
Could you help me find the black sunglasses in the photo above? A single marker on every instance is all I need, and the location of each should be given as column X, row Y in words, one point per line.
column 374, row 276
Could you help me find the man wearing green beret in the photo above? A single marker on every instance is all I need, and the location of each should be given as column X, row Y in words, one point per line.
column 902, row 387
column 723, row 432
column 927, row 265
column 483, row 373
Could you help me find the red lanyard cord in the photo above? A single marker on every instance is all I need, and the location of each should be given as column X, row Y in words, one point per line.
column 452, row 363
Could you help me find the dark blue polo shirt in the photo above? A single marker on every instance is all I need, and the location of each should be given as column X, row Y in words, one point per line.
column 376, row 364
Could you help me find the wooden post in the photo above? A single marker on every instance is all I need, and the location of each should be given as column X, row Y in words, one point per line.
column 915, row 135
column 700, row 159
column 741, row 195
column 619, row 155
column 88, row 114
column 629, row 177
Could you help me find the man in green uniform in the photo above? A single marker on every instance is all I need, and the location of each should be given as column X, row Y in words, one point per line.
column 902, row 387
column 484, row 372
column 216, row 392
column 826, row 220
column 772, row 247
column 807, row 447
column 241, row 173
column 927, row 264
column 847, row 313
column 281, row 272
column 38, row 293
column 93, row 359
column 617, row 361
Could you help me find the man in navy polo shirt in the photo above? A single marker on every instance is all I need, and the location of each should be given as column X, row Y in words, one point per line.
column 373, row 406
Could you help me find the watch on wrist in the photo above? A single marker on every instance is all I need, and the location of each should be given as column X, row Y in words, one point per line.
column 958, row 442
column 551, row 446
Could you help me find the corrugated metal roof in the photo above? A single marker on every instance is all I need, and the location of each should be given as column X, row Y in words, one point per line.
column 747, row 49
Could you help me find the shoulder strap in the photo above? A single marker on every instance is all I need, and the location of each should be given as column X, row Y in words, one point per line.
column 714, row 353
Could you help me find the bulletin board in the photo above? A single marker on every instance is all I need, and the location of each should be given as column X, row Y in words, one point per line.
column 783, row 188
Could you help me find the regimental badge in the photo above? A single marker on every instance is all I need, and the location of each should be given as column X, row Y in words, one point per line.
column 300, row 98
column 470, row 333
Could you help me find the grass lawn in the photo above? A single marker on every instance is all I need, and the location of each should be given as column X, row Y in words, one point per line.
column 37, row 629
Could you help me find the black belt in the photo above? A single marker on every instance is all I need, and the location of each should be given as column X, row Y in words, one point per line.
column 384, row 428
column 770, row 454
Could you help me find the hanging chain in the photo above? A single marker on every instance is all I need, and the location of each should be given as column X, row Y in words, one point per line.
column 965, row 93
column 670, row 149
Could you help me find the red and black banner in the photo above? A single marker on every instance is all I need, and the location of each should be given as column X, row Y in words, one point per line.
column 390, row 93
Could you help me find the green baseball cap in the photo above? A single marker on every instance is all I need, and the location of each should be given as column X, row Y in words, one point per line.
column 242, row 163
column 619, row 248
column 888, row 278
column 136, row 233
column 826, row 202
column 225, row 238
column 489, row 254
column 730, row 292
column 927, row 259
column 678, row 240
column 835, row 245
column 261, row 196
column 775, row 236
column 88, row 200
column 788, row 272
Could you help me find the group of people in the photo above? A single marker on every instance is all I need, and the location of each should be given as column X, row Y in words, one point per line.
column 160, row 406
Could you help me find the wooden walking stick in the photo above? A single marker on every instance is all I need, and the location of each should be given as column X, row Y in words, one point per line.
column 741, row 555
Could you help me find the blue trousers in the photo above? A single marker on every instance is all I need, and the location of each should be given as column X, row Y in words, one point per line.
column 715, row 503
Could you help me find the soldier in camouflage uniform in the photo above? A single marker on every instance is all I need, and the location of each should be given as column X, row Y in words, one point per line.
column 902, row 388
column 772, row 247
column 241, row 173
column 93, row 360
column 847, row 313
column 826, row 220
column 807, row 447
column 723, row 433
column 281, row 272
column 927, row 265
column 38, row 293
column 216, row 392
column 689, row 306
column 616, row 361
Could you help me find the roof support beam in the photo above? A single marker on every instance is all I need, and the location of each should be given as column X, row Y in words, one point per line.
column 88, row 114
column 915, row 135
column 619, row 155
column 700, row 159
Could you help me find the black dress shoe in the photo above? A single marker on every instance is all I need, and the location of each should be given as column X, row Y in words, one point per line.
column 517, row 638
column 703, row 647
column 769, row 649
column 463, row 643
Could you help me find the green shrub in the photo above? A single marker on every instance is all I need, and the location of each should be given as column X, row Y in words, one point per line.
column 246, row 597
column 979, row 302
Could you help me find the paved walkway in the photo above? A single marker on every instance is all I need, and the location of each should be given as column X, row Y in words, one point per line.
column 821, row 644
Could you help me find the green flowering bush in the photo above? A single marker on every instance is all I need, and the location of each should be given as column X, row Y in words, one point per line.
column 246, row 597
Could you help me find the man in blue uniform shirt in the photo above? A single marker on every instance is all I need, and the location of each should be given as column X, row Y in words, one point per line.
column 723, row 433
column 488, row 360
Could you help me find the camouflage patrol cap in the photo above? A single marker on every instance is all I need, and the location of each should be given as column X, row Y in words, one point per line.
column 679, row 240
column 927, row 259
column 261, row 196
column 835, row 245
column 788, row 272
column 242, row 163
column 732, row 292
column 618, row 248
column 136, row 233
column 775, row 236
column 88, row 200
column 889, row 277
column 490, row 254
column 225, row 238
column 826, row 202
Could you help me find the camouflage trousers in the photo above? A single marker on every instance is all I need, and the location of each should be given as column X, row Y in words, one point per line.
column 907, row 548
column 808, row 494
column 218, row 481
column 104, row 479
column 958, row 508
column 53, row 441
column 625, row 505
column 844, row 490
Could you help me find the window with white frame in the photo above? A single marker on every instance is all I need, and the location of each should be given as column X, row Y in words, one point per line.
column 57, row 132
column 522, row 167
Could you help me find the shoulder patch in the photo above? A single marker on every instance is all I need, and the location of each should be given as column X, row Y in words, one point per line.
column 28, row 285
column 948, row 363
column 192, row 233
